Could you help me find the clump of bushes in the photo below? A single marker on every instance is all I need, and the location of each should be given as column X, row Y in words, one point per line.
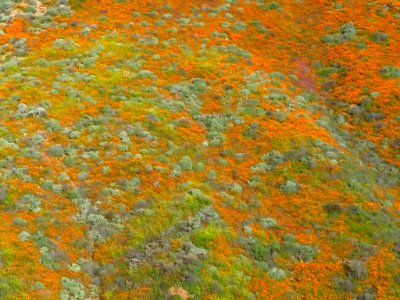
column 56, row 151
column 186, row 163
column 390, row 72
column 20, row 47
column 347, row 32
column 356, row 269
column 61, row 44
column 276, row 273
column 297, row 251
column 29, row 202
column 273, row 158
column 289, row 187
column 267, row 223
column 380, row 37
column 72, row 289
column 271, row 6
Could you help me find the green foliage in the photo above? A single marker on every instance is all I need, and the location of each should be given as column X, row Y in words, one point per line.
column 48, row 260
column 271, row 6
column 9, row 287
column 380, row 37
column 267, row 223
column 157, row 143
column 289, row 187
column 277, row 273
column 326, row 72
column 390, row 72
column 297, row 251
column 72, row 289
column 204, row 237
column 346, row 32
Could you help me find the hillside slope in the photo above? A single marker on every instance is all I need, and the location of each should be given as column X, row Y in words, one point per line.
column 200, row 149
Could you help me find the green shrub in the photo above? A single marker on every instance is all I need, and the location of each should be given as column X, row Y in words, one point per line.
column 289, row 187
column 347, row 32
column 390, row 72
column 277, row 273
column 37, row 286
column 267, row 222
column 72, row 289
column 203, row 237
column 56, row 151
column 326, row 72
column 186, row 163
column 236, row 188
column 356, row 269
column 19, row 222
column 271, row 6
column 297, row 251
column 83, row 176
column 47, row 259
column 24, row 236
column 61, row 44
column 380, row 37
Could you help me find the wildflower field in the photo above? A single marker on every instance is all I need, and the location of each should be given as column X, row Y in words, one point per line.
column 187, row 149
